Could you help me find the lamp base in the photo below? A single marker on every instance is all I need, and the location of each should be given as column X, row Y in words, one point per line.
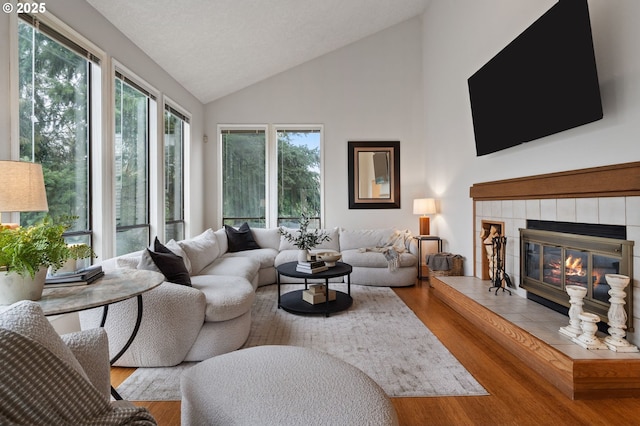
column 424, row 225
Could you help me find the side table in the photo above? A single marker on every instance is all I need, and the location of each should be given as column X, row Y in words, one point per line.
column 421, row 239
column 113, row 287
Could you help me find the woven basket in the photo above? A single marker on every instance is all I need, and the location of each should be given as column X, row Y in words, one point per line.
column 456, row 271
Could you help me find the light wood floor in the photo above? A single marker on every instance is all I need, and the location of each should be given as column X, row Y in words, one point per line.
column 518, row 395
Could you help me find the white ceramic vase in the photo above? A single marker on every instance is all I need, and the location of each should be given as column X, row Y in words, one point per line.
column 303, row 255
column 15, row 287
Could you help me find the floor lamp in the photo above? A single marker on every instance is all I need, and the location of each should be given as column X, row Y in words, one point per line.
column 424, row 207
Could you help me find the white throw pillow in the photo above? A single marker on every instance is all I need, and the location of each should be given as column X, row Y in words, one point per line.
column 176, row 249
column 364, row 238
column 129, row 261
column 201, row 250
column 26, row 318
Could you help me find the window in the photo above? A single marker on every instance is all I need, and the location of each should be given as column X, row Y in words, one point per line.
column 176, row 129
column 243, row 177
column 298, row 176
column 268, row 183
column 55, row 119
column 133, row 106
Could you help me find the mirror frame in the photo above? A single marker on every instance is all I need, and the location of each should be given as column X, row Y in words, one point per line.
column 355, row 201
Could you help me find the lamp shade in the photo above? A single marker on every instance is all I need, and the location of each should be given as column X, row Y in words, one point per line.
column 424, row 206
column 22, row 187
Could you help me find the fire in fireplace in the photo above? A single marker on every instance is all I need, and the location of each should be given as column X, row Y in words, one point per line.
column 552, row 260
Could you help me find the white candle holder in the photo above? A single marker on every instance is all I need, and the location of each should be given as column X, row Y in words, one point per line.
column 576, row 294
column 617, row 315
column 588, row 338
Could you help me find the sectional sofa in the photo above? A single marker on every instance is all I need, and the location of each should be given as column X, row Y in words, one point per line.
column 209, row 311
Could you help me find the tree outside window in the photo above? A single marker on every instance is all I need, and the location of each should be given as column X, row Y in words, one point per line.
column 54, row 117
column 131, row 164
column 295, row 174
column 174, row 140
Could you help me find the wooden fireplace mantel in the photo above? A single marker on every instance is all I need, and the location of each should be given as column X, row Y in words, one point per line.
column 619, row 180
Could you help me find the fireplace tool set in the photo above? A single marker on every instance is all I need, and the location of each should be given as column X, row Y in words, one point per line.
column 501, row 279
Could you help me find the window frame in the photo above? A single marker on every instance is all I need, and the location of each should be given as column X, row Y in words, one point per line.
column 64, row 35
column 185, row 118
column 271, row 166
column 292, row 128
column 154, row 160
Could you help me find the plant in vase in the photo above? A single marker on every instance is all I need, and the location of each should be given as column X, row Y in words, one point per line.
column 27, row 252
column 304, row 239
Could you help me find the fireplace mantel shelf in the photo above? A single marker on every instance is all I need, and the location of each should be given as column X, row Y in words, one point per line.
column 619, row 180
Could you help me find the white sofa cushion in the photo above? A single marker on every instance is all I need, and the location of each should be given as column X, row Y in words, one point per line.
column 201, row 250
column 221, row 237
column 228, row 297
column 126, row 261
column 267, row 238
column 363, row 238
column 176, row 249
column 266, row 256
column 239, row 266
column 371, row 259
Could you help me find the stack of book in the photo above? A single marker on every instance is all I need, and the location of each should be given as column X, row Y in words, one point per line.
column 82, row 277
column 317, row 294
column 311, row 267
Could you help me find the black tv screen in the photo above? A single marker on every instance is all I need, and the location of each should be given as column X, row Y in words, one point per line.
column 544, row 82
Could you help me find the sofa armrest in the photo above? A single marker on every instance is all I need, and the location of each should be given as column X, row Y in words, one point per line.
column 91, row 349
column 171, row 320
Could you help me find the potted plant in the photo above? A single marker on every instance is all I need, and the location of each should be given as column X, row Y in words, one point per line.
column 27, row 252
column 304, row 239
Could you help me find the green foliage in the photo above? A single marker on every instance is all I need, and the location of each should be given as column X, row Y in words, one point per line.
column 53, row 117
column 298, row 177
column 25, row 250
column 305, row 239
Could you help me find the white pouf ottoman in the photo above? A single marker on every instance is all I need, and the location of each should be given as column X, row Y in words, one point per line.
column 282, row 385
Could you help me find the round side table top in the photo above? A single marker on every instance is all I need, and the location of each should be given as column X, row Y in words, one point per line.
column 114, row 286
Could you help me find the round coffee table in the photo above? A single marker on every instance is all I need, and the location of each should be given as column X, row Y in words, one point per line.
column 293, row 301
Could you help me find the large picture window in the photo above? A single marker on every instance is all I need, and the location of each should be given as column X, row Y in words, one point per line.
column 271, row 181
column 298, row 176
column 132, row 116
column 243, row 177
column 54, row 84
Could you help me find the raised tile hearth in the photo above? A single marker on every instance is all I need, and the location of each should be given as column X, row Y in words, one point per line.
column 530, row 331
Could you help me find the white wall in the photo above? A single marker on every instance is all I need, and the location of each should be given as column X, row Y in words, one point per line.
column 85, row 20
column 369, row 90
column 458, row 38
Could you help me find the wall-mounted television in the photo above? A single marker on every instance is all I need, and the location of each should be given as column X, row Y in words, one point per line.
column 544, row 82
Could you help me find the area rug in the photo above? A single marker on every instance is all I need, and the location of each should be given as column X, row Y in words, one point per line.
column 379, row 334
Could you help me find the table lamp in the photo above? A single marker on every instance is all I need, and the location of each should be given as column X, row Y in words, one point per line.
column 424, row 207
column 22, row 188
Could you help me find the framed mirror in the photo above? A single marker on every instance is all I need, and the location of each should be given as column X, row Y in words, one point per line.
column 374, row 175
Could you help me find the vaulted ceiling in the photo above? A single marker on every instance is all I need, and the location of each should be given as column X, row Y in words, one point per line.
column 216, row 47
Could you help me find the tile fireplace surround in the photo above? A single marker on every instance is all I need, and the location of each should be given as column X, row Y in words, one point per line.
column 607, row 195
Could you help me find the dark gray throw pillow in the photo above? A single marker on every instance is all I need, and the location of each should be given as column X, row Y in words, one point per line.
column 240, row 239
column 170, row 264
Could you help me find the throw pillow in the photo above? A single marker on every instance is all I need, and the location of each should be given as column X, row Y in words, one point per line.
column 171, row 266
column 240, row 239
column 176, row 249
column 26, row 318
column 201, row 250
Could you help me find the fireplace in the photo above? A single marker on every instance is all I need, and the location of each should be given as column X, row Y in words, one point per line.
column 554, row 255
